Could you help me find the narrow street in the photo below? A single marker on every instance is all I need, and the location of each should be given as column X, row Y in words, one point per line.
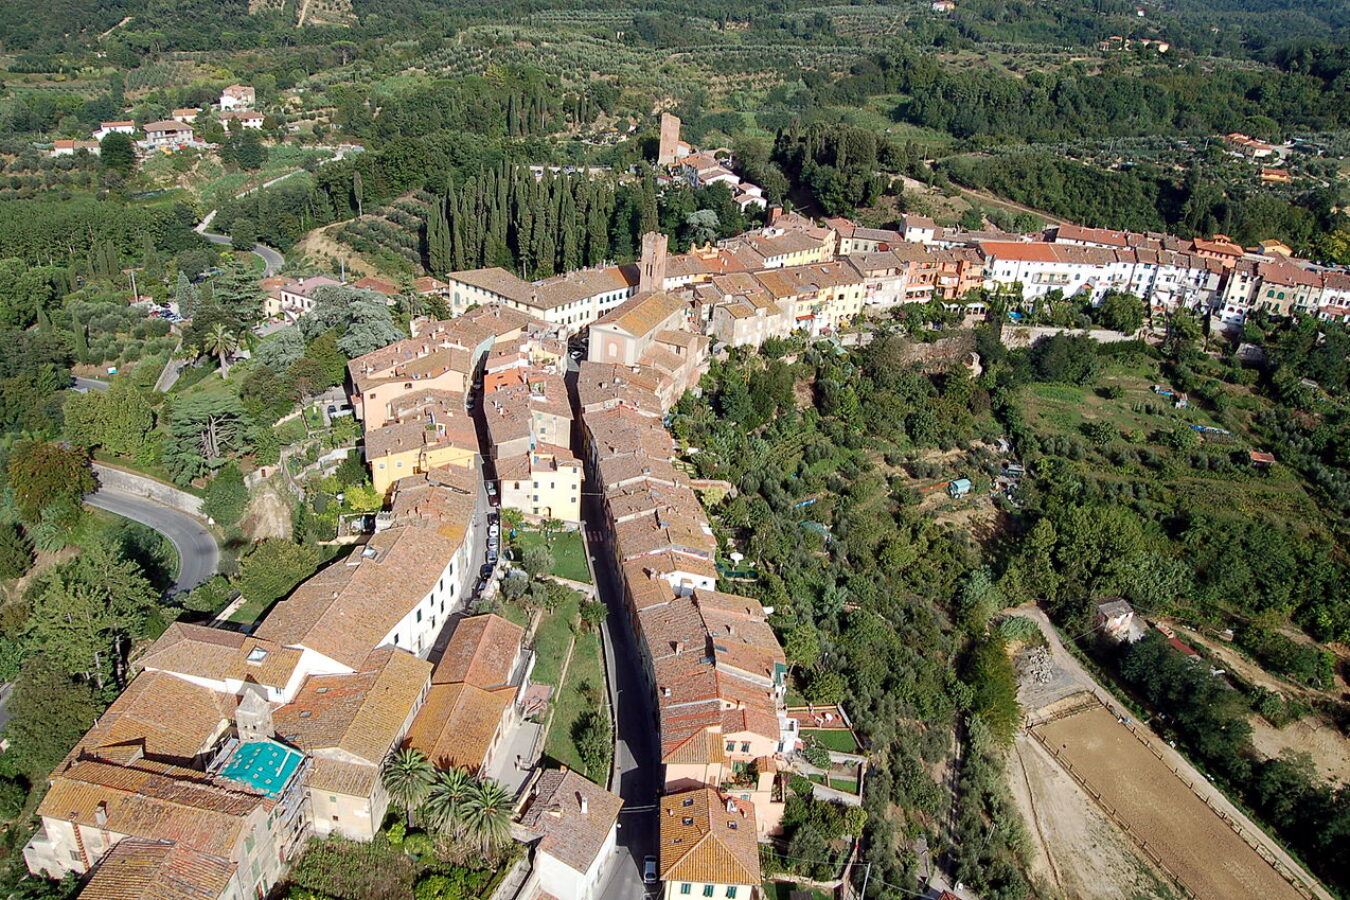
column 636, row 772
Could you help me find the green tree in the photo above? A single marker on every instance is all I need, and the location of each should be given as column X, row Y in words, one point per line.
column 45, row 475
column 16, row 552
column 221, row 343
column 593, row 613
column 594, row 739
column 49, row 712
column 203, row 430
column 407, row 777
column 446, row 802
column 226, row 496
column 487, row 816
column 1121, row 312
column 186, row 296
column 86, row 611
column 274, row 567
column 536, row 560
column 118, row 153
column 120, row 419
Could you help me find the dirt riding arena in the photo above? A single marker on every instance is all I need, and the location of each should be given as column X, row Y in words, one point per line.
column 1159, row 810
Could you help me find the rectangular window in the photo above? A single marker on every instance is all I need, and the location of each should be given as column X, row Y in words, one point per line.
column 707, row 890
column 686, row 888
column 731, row 891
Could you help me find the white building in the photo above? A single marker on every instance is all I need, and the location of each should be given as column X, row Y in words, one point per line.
column 107, row 128
column 237, row 96
column 574, row 824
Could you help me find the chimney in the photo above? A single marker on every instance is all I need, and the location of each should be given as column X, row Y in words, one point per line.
column 585, row 804
column 774, row 213
column 731, row 805
column 678, row 645
column 101, row 812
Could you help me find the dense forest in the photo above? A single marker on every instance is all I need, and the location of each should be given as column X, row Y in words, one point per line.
column 1144, row 198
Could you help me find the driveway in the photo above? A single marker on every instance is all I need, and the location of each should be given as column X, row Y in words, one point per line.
column 85, row 385
column 198, row 555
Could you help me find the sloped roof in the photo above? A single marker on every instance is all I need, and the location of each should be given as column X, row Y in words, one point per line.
column 217, row 654
column 154, row 802
column 361, row 714
column 157, row 870
column 643, row 313
column 456, row 725
column 566, row 833
column 345, row 618
column 708, row 839
column 481, row 652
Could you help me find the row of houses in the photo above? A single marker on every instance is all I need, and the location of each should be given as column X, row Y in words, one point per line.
column 711, row 660
column 799, row 274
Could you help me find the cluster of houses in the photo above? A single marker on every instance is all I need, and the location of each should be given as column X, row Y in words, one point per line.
column 701, row 169
column 799, row 274
column 229, row 750
column 235, row 110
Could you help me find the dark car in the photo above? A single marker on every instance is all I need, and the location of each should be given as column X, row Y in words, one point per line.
column 486, row 571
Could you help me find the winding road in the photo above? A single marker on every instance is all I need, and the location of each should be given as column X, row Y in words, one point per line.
column 198, row 555
column 272, row 260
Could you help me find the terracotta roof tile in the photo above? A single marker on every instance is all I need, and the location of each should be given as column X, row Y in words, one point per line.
column 482, row 652
column 708, row 838
column 566, row 833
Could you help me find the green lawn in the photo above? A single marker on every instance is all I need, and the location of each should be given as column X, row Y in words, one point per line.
column 843, row 784
column 836, row 739
column 782, row 890
column 551, row 639
column 583, row 690
column 568, row 549
column 248, row 612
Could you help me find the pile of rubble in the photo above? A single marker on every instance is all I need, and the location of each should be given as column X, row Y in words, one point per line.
column 1034, row 665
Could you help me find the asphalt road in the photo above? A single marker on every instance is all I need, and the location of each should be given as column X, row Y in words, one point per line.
column 636, row 773
column 198, row 554
column 85, row 385
column 272, row 260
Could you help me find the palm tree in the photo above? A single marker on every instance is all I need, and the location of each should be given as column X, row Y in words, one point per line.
column 407, row 777
column 220, row 342
column 445, row 802
column 487, row 815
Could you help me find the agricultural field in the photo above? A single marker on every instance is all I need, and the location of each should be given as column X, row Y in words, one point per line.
column 1161, row 810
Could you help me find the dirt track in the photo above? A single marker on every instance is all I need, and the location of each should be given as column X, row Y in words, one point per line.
column 1075, row 847
column 1191, row 840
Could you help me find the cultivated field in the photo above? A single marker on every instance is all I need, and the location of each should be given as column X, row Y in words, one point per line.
column 1160, row 809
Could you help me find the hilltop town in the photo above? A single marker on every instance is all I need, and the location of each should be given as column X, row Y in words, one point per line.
column 516, row 452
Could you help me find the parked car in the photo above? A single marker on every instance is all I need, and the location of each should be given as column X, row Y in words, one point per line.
column 649, row 870
column 486, row 571
column 491, row 489
column 492, row 557
column 494, row 529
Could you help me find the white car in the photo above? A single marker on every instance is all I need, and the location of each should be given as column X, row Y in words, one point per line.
column 494, row 530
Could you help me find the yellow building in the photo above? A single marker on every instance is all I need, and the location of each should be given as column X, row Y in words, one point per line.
column 544, row 483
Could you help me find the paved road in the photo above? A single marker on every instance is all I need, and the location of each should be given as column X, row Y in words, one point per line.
column 637, row 759
column 85, row 385
column 198, row 554
column 272, row 260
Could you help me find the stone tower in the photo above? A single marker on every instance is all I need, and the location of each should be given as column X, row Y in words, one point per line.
column 652, row 266
column 666, row 154
column 253, row 716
